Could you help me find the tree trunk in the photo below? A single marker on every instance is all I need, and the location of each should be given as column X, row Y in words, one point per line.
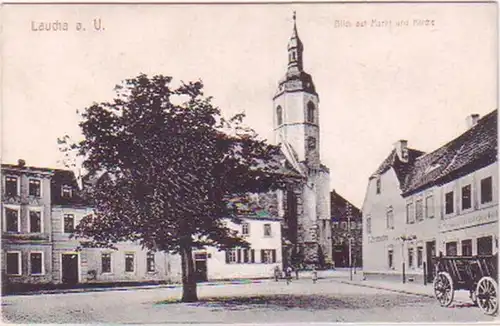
column 188, row 274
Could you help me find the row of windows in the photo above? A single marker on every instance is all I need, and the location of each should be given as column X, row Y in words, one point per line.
column 486, row 196
column 415, row 255
column 309, row 118
column 129, row 262
column 267, row 231
column 245, row 256
column 14, row 263
column 343, row 225
column 12, row 221
column 34, row 188
column 416, row 212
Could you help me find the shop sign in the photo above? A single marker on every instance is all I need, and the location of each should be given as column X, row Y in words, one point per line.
column 467, row 221
column 381, row 238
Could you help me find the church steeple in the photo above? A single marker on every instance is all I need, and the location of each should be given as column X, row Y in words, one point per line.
column 295, row 48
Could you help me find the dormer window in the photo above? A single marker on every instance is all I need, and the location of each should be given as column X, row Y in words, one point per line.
column 66, row 191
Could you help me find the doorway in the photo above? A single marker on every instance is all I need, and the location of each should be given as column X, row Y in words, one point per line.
column 430, row 250
column 200, row 267
column 69, row 264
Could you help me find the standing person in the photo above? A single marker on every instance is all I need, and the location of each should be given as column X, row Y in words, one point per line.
column 314, row 274
column 288, row 275
column 276, row 273
column 297, row 272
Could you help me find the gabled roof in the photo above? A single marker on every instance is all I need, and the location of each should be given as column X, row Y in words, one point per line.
column 472, row 150
column 339, row 208
column 400, row 168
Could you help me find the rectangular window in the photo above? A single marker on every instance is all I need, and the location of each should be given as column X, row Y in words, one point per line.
column 429, row 206
column 267, row 230
column 150, row 262
column 485, row 246
column 36, row 263
column 390, row 219
column 410, row 257
column 353, row 225
column 420, row 256
column 410, row 213
column 390, row 259
column 35, row 221
column 268, row 256
column 343, row 225
column 129, row 262
column 379, row 185
column 419, row 210
column 451, row 248
column 11, row 186
column 35, row 188
column 335, row 224
column 230, row 256
column 245, row 229
column 13, row 263
column 466, row 197
column 448, row 202
column 69, row 223
column 467, row 247
column 486, row 190
column 369, row 225
column 106, row 262
column 66, row 191
column 12, row 220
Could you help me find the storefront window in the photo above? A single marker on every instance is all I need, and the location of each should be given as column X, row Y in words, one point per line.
column 451, row 248
column 466, row 247
column 485, row 246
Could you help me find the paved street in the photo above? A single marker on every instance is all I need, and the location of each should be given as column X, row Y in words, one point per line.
column 327, row 301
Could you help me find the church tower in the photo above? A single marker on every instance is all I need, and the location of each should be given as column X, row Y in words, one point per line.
column 296, row 119
column 296, row 128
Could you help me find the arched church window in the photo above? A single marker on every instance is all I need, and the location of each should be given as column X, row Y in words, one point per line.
column 311, row 143
column 279, row 115
column 293, row 55
column 310, row 112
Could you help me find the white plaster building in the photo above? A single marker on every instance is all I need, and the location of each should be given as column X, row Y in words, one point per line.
column 419, row 205
column 258, row 261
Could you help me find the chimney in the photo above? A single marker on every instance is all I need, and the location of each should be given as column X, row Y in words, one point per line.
column 401, row 147
column 21, row 163
column 471, row 120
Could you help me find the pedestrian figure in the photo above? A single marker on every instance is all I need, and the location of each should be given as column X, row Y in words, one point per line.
column 288, row 274
column 296, row 272
column 276, row 273
column 314, row 275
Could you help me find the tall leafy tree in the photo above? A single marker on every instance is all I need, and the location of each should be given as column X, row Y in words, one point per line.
column 162, row 164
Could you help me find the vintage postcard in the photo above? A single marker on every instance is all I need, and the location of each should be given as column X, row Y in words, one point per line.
column 286, row 163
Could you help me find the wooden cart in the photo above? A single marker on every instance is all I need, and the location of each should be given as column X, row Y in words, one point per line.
column 476, row 274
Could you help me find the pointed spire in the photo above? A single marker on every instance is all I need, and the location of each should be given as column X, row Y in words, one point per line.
column 295, row 47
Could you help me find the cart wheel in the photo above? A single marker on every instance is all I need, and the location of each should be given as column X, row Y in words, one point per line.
column 487, row 295
column 443, row 289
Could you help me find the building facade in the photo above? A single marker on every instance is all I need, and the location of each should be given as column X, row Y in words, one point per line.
column 257, row 261
column 347, row 226
column 419, row 205
column 296, row 123
column 40, row 209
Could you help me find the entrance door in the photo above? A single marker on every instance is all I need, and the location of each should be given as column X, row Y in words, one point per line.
column 430, row 249
column 70, row 268
column 200, row 266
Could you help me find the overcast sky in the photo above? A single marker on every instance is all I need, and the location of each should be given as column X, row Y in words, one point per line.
column 376, row 84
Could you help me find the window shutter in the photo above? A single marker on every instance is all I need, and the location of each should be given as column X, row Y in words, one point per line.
column 273, row 252
column 227, row 256
column 252, row 255
column 238, row 252
column 262, row 256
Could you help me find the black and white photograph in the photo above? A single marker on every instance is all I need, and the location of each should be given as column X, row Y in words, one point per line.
column 249, row 163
